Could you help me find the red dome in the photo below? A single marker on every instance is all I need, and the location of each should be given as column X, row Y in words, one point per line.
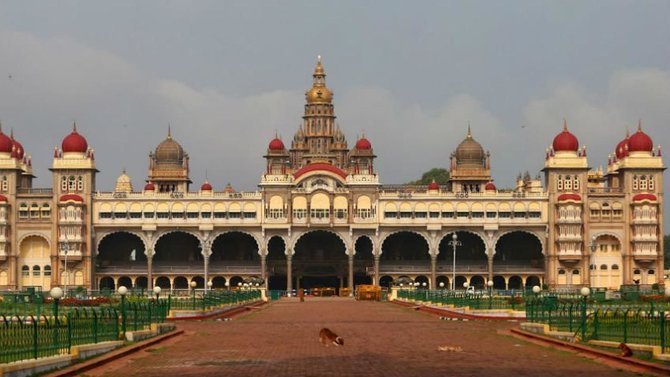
column 490, row 187
column 74, row 142
column 640, row 142
column 641, row 197
column 433, row 185
column 206, row 187
column 5, row 143
column 149, row 187
column 18, row 148
column 363, row 143
column 565, row 141
column 3, row 198
column 574, row 197
column 621, row 150
column 71, row 198
column 276, row 145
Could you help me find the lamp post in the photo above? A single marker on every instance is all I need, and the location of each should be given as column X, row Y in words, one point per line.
column 56, row 293
column 122, row 291
column 193, row 284
column 592, row 272
column 453, row 243
column 441, row 285
column 65, row 248
column 157, row 291
column 585, row 292
column 490, row 285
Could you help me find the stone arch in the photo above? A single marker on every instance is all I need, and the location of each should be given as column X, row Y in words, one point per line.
column 501, row 235
column 33, row 234
column 418, row 233
column 473, row 252
column 303, row 234
column 107, row 234
column 168, row 232
column 252, row 235
column 395, row 254
column 189, row 251
column 234, row 245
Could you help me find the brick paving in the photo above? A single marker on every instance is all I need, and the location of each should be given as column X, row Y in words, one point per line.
column 381, row 339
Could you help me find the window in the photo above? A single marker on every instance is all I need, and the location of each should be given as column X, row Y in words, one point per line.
column 405, row 215
column 192, row 215
column 390, row 215
column 651, row 183
column 163, row 215
column 63, row 184
column 575, row 183
column 135, row 215
column 504, row 215
column 603, row 267
column 534, row 215
column 46, row 210
column 71, row 184
column 364, row 213
column 206, row 215
column 249, row 215
column 447, row 214
column 559, row 183
column 219, row 215
column 635, row 182
column 105, row 215
column 575, row 272
column 148, row 215
column 25, row 271
column 434, row 215
column 34, row 211
column 47, row 270
column 636, row 271
column 651, row 272
column 643, row 183
column 5, row 184
column 561, row 272
column 477, row 215
column 319, row 213
column 299, row 213
column 37, row 271
column 615, row 267
column 462, row 214
column 491, row 215
column 80, row 183
column 234, row 215
column 519, row 215
column 420, row 215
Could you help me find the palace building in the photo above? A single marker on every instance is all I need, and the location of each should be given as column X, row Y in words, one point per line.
column 322, row 217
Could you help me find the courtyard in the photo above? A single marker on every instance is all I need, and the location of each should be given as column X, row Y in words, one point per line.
column 380, row 339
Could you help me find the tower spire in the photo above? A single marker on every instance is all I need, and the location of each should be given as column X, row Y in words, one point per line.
column 169, row 131
column 565, row 125
column 74, row 126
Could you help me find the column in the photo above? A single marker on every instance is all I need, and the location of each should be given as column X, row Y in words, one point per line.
column 289, row 273
column 433, row 272
column 264, row 269
column 150, row 281
column 376, row 273
column 490, row 265
column 350, row 280
column 205, row 261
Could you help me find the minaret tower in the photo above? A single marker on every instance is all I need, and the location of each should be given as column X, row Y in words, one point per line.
column 317, row 140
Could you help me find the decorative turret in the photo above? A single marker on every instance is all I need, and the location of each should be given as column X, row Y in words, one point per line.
column 168, row 166
column 470, row 167
column 123, row 183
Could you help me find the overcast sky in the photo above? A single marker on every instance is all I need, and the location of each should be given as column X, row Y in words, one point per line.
column 410, row 75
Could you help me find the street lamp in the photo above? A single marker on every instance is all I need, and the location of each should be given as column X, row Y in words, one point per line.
column 157, row 291
column 490, row 285
column 122, row 291
column 56, row 293
column 585, row 292
column 193, row 284
column 423, row 284
column 453, row 243
column 65, row 247
column 441, row 285
column 592, row 266
column 536, row 289
column 209, row 284
column 227, row 284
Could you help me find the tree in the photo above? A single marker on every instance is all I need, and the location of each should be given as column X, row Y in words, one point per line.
column 440, row 175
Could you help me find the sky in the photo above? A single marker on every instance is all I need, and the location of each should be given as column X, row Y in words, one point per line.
column 411, row 76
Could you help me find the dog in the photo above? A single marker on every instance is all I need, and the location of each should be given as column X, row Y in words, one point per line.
column 625, row 350
column 326, row 337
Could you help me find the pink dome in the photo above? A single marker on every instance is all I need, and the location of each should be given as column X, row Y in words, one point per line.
column 565, row 141
column 363, row 143
column 490, row 187
column 206, row 187
column 149, row 187
column 433, row 186
column 621, row 150
column 74, row 142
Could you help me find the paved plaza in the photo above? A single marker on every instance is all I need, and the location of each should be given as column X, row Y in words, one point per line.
column 381, row 339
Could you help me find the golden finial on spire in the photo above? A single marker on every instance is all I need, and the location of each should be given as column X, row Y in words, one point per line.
column 565, row 125
column 469, row 132
column 169, row 131
column 74, row 126
column 639, row 125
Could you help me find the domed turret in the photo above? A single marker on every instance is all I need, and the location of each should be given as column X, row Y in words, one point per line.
column 433, row 186
column 640, row 141
column 74, row 142
column 123, row 183
column 319, row 93
column 470, row 152
column 5, row 142
column 363, row 144
column 206, row 186
column 169, row 151
column 490, row 187
column 149, row 187
column 621, row 150
column 565, row 141
column 276, row 144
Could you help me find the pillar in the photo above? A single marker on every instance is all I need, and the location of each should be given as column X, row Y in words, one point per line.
column 264, row 269
column 350, row 279
column 150, row 281
column 289, row 273
column 433, row 271
column 376, row 273
column 490, row 265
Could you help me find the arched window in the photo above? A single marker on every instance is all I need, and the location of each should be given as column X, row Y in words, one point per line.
column 575, row 272
column 47, row 270
column 651, row 272
column 561, row 272
column 615, row 267
column 36, row 270
column 25, row 271
column 603, row 267
column 636, row 271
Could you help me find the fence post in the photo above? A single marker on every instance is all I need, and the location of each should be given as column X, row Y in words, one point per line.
column 583, row 318
column 35, row 338
column 625, row 326
column 662, row 313
column 95, row 326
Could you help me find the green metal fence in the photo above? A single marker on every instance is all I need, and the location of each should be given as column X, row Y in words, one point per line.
column 210, row 299
column 460, row 298
column 641, row 323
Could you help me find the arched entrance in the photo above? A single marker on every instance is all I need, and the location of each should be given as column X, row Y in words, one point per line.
column 606, row 261
column 276, row 263
column 470, row 254
column 386, row 281
column 363, row 261
column 404, row 251
column 33, row 262
column 320, row 260
column 234, row 249
column 518, row 252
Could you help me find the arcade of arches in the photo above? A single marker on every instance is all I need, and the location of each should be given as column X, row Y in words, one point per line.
column 321, row 258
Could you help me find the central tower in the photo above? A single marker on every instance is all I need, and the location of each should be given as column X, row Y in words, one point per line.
column 318, row 138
